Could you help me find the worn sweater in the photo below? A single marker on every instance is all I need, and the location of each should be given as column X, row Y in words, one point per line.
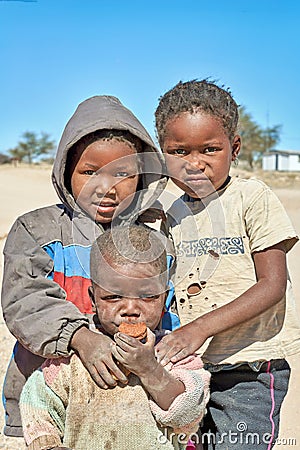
column 61, row 405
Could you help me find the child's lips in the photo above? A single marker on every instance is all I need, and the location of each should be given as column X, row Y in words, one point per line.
column 193, row 180
column 196, row 179
column 106, row 207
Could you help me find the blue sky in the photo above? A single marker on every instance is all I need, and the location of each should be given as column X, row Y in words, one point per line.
column 56, row 53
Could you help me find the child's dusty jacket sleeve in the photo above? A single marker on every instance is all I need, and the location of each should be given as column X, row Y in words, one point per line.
column 43, row 414
column 188, row 409
column 34, row 307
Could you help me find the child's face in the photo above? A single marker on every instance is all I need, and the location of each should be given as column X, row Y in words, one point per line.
column 105, row 178
column 198, row 153
column 129, row 296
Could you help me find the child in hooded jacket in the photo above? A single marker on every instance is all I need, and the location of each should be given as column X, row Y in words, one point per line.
column 233, row 292
column 98, row 177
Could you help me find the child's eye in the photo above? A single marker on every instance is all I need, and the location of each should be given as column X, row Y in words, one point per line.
column 178, row 152
column 148, row 297
column 210, row 150
column 111, row 297
column 122, row 174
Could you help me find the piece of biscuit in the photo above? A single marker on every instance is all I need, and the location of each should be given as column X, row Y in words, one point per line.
column 136, row 330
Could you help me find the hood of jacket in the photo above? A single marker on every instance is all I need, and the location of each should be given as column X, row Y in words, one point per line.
column 107, row 112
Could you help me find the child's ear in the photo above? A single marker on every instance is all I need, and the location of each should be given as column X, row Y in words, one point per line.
column 92, row 297
column 236, row 147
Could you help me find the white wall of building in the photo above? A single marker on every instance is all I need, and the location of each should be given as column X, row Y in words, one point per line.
column 283, row 162
column 269, row 162
column 294, row 162
column 278, row 161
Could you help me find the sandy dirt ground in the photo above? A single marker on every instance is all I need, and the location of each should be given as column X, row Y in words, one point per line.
column 23, row 189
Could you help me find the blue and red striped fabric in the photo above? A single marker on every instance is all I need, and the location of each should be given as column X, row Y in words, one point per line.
column 72, row 272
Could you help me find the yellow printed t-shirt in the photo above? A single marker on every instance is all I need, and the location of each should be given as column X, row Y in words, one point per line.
column 214, row 241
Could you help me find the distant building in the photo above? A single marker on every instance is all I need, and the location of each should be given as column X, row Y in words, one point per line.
column 284, row 160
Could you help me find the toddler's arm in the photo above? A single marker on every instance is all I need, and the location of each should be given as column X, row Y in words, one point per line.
column 188, row 408
column 140, row 359
column 179, row 393
column 271, row 272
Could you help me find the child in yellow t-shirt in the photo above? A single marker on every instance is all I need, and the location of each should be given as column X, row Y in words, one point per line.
column 233, row 292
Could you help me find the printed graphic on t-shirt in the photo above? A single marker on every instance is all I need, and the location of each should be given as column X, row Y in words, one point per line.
column 206, row 246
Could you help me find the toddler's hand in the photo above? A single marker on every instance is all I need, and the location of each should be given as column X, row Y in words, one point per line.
column 95, row 352
column 179, row 344
column 131, row 353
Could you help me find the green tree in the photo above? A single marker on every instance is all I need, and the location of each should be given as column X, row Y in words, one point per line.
column 271, row 136
column 255, row 139
column 31, row 146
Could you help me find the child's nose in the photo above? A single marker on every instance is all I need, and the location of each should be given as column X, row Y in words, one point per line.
column 130, row 308
column 105, row 186
column 195, row 161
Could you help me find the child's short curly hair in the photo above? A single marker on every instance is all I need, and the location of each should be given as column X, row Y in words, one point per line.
column 192, row 96
column 135, row 244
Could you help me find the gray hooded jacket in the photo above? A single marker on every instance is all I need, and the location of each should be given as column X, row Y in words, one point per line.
column 46, row 256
